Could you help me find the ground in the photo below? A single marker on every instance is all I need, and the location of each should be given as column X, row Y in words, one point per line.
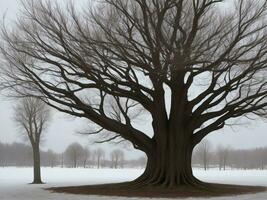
column 13, row 182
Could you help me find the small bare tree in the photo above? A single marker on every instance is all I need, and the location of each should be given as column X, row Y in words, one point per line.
column 85, row 156
column 117, row 158
column 222, row 154
column 74, row 153
column 52, row 158
column 204, row 152
column 142, row 161
column 62, row 160
column 99, row 155
column 32, row 117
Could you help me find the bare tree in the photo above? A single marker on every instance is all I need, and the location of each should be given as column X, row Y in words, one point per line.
column 204, row 152
column 62, row 160
column 263, row 156
column 85, row 156
column 99, row 156
column 209, row 64
column 32, row 117
column 74, row 153
column 117, row 158
column 52, row 158
column 222, row 154
column 142, row 161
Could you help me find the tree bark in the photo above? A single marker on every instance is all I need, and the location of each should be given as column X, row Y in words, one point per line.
column 170, row 165
column 36, row 165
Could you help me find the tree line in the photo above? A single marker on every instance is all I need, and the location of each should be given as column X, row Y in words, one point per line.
column 222, row 157
column 205, row 156
column 75, row 155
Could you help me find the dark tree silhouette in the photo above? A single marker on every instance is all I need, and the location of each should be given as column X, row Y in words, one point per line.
column 190, row 66
column 32, row 117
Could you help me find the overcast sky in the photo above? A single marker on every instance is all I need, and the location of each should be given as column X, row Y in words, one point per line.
column 62, row 129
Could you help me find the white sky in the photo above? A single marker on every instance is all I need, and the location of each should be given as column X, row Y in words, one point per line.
column 62, row 129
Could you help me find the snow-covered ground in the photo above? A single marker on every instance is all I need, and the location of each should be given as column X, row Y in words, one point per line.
column 14, row 182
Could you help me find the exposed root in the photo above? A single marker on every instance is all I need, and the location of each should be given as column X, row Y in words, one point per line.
column 139, row 189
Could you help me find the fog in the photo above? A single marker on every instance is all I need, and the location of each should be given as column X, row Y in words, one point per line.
column 63, row 129
column 190, row 78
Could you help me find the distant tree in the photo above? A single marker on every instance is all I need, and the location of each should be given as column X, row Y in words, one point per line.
column 222, row 154
column 204, row 152
column 62, row 160
column 261, row 156
column 99, row 156
column 74, row 153
column 32, row 116
column 2, row 154
column 142, row 161
column 85, row 156
column 15, row 154
column 117, row 158
column 52, row 158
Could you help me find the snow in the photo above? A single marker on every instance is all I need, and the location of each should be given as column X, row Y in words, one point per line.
column 14, row 182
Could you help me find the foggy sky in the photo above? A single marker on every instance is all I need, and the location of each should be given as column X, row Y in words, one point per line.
column 62, row 130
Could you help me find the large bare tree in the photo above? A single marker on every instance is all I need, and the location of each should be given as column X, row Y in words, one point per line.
column 32, row 117
column 190, row 66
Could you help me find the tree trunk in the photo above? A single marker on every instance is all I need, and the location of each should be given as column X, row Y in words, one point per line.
column 84, row 163
column 75, row 163
column 62, row 161
column 116, row 163
column 170, row 157
column 36, row 165
column 220, row 165
column 170, row 166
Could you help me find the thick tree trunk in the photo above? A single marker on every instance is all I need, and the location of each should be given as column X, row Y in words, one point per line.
column 170, row 167
column 36, row 166
column 169, row 158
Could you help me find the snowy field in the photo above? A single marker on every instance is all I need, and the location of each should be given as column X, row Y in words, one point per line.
column 13, row 182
